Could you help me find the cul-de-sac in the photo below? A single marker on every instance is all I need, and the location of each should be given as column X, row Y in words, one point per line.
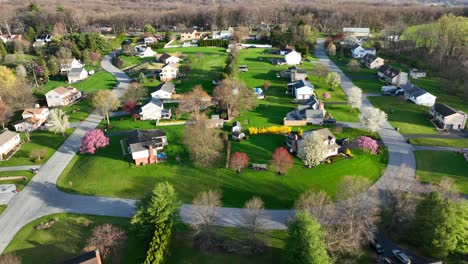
column 177, row 132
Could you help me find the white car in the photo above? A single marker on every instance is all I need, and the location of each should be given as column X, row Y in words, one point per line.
column 402, row 257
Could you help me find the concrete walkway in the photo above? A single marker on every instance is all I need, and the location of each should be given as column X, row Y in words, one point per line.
column 20, row 168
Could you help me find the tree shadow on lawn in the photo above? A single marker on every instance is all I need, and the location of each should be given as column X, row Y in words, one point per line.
column 45, row 253
column 445, row 163
column 265, row 115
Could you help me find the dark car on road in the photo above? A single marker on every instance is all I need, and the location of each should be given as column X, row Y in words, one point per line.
column 402, row 257
column 329, row 121
column 378, row 247
column 342, row 141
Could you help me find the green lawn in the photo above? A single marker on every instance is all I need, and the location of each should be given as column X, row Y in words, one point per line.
column 20, row 184
column 443, row 142
column 206, row 63
column 409, row 117
column 107, row 173
column 67, row 238
column 3, row 207
column 433, row 165
column 39, row 139
column 130, row 61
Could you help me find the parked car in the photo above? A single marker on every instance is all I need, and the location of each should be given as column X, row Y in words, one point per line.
column 402, row 257
column 386, row 261
column 342, row 141
column 378, row 247
column 329, row 121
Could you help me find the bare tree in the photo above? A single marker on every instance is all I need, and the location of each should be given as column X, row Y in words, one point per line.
column 38, row 153
column 6, row 113
column 135, row 91
column 240, row 33
column 195, row 100
column 353, row 66
column 105, row 101
column 314, row 203
column 320, row 70
column 10, row 258
column 448, row 188
column 107, row 238
column 203, row 143
column 254, row 212
column 207, row 205
column 234, row 97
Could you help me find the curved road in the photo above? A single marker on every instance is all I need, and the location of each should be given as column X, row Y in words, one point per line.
column 41, row 196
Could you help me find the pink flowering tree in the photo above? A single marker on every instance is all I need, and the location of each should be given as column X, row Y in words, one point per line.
column 92, row 141
column 94, row 57
column 368, row 143
column 326, row 96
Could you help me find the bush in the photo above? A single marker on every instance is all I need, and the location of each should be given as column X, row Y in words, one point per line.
column 270, row 130
column 213, row 43
column 160, row 243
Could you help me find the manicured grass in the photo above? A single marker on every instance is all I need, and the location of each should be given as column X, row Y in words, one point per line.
column 206, row 65
column 3, row 207
column 183, row 250
column 130, row 61
column 20, row 184
column 67, row 238
column 433, row 165
column 39, row 139
column 409, row 117
column 342, row 112
column 443, row 142
column 108, row 173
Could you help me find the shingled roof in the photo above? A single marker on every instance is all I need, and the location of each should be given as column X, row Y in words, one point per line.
column 413, row 90
column 141, row 139
column 444, row 109
column 369, row 58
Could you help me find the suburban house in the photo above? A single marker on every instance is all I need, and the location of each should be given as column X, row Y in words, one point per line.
column 168, row 58
column 189, row 35
column 223, row 34
column 359, row 33
column 215, row 122
column 392, row 75
column 143, row 51
column 143, row 145
column 294, row 73
column 62, row 96
column 70, row 64
column 292, row 57
column 301, row 90
column 312, row 112
column 418, row 95
column 357, row 51
column 149, row 40
column 416, row 74
column 33, row 118
column 92, row 257
column 165, row 91
column 37, row 44
column 293, row 142
column 76, row 75
column 371, row 61
column 154, row 110
column 44, row 37
column 288, row 48
column 169, row 72
column 8, row 141
column 448, row 118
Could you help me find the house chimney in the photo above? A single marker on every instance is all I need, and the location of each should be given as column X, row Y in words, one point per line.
column 320, row 105
column 152, row 158
column 37, row 106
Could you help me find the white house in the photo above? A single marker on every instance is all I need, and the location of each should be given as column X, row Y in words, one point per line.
column 445, row 117
column 169, row 72
column 392, row 75
column 294, row 143
column 150, row 40
column 62, row 96
column 45, row 38
column 357, row 51
column 312, row 111
column 416, row 74
column 293, row 57
column 418, row 95
column 154, row 110
column 223, row 34
column 70, row 64
column 165, row 91
column 371, row 61
column 143, row 51
column 76, row 75
column 8, row 141
column 9, row 38
column 168, row 58
column 301, row 90
column 33, row 118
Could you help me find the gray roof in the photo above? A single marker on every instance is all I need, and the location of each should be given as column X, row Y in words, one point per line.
column 141, row 139
column 302, row 83
column 75, row 72
column 389, row 71
column 444, row 109
column 369, row 58
column 164, row 56
column 167, row 87
column 413, row 90
column 320, row 113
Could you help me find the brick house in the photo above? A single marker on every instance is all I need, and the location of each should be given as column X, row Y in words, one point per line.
column 143, row 145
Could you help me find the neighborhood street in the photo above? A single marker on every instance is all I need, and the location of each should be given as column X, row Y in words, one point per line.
column 41, row 196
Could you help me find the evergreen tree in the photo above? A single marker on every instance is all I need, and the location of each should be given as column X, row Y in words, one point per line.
column 53, row 65
column 160, row 243
column 304, row 244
